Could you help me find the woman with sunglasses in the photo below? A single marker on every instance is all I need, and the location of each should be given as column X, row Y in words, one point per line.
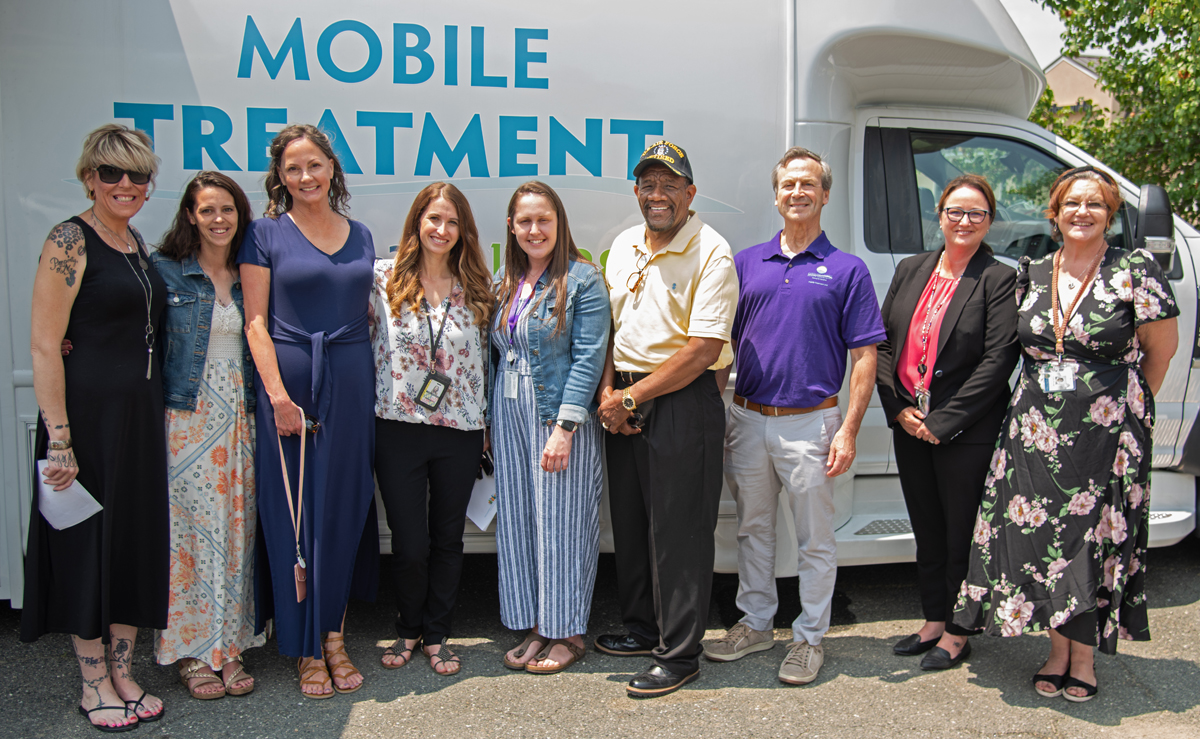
column 101, row 425
column 210, row 442
column 943, row 381
column 429, row 332
column 1061, row 536
column 306, row 275
column 547, row 354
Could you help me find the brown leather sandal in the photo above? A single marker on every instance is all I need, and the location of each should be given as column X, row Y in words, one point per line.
column 193, row 669
column 314, row 672
column 340, row 667
column 577, row 653
column 534, row 641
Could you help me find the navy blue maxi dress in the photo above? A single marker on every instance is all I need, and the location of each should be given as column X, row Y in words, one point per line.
column 318, row 307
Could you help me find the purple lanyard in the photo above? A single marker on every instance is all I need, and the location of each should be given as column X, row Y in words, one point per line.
column 514, row 312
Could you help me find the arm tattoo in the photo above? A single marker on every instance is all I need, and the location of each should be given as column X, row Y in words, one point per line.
column 64, row 267
column 69, row 238
column 61, row 458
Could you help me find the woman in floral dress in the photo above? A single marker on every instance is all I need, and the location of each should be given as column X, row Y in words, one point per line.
column 210, row 442
column 1061, row 535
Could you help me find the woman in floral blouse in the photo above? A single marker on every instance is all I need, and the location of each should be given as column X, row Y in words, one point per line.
column 431, row 310
column 1061, row 535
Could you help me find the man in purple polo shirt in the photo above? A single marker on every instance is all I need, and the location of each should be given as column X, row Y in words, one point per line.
column 802, row 304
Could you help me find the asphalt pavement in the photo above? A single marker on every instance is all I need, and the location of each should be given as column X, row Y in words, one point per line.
column 1149, row 690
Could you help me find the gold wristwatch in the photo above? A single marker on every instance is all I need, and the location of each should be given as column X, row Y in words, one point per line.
column 627, row 401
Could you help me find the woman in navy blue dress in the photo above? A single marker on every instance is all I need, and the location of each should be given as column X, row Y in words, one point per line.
column 306, row 273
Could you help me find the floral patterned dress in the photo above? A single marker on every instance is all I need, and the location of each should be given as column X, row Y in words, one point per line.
column 1062, row 528
column 210, row 457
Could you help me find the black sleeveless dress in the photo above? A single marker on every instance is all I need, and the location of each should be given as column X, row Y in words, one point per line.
column 113, row 567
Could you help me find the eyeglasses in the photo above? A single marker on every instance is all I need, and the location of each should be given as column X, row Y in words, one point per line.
column 1091, row 207
column 636, row 420
column 974, row 216
column 636, row 277
column 111, row 175
column 311, row 424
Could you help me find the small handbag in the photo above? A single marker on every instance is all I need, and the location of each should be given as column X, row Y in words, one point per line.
column 301, row 568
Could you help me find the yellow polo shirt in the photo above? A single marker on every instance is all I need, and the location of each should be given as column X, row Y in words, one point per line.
column 689, row 288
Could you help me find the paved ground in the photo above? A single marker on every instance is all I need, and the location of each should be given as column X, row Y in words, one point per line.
column 1150, row 689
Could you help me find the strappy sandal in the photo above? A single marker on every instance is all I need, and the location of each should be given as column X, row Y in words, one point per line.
column 133, row 705
column 533, row 640
column 577, row 653
column 87, row 714
column 342, row 663
column 1072, row 682
column 436, row 659
column 397, row 649
column 313, row 672
column 239, row 673
column 193, row 669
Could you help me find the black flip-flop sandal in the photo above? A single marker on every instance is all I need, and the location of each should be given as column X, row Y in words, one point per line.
column 102, row 727
column 143, row 719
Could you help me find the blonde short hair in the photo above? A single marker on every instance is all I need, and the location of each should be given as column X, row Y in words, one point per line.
column 116, row 146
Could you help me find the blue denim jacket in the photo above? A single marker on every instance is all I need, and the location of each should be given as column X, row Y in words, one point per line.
column 183, row 341
column 566, row 368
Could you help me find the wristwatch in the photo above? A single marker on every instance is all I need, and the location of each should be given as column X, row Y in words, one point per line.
column 568, row 426
column 627, row 401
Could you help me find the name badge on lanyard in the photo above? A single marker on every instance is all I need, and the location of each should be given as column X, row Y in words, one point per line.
column 1057, row 377
column 433, row 389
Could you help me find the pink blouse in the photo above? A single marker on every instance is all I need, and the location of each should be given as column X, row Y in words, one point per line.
column 938, row 292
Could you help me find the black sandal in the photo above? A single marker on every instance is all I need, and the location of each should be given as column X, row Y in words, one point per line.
column 104, row 727
column 1073, row 682
column 143, row 719
column 393, row 651
column 440, row 660
column 1055, row 680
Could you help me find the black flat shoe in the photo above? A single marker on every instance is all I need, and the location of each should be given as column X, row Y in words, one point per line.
column 1055, row 680
column 621, row 645
column 658, row 681
column 911, row 646
column 1076, row 683
column 940, row 659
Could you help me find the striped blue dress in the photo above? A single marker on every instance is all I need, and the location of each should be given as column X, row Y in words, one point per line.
column 547, row 523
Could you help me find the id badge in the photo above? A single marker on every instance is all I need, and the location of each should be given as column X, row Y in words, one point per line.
column 301, row 573
column 510, row 384
column 433, row 391
column 1057, row 378
column 923, row 403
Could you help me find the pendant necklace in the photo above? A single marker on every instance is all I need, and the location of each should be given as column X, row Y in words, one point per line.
column 128, row 246
column 147, row 291
column 932, row 309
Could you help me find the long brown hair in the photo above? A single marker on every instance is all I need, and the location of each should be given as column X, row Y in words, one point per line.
column 466, row 258
column 182, row 240
column 279, row 200
column 516, row 262
column 979, row 184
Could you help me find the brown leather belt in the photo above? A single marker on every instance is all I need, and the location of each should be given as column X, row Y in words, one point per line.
column 770, row 410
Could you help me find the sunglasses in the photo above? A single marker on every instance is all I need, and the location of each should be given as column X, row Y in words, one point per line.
column 111, row 175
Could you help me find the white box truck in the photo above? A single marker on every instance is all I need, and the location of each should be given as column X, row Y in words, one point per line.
column 899, row 95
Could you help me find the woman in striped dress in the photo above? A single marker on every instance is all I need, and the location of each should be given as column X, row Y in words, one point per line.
column 549, row 337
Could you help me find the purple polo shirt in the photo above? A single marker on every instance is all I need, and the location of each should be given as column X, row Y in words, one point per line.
column 795, row 320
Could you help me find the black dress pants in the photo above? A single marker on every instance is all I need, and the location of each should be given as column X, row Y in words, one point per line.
column 425, row 476
column 664, row 488
column 943, row 485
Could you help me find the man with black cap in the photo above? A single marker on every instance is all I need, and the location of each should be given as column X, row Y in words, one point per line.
column 673, row 290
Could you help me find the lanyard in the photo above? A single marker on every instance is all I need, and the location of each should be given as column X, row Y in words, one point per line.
column 932, row 308
column 514, row 312
column 298, row 510
column 434, row 344
column 1060, row 328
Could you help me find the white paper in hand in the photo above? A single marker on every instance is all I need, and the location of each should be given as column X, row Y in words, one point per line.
column 482, row 508
column 62, row 509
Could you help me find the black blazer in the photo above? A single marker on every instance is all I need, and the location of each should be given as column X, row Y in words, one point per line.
column 977, row 348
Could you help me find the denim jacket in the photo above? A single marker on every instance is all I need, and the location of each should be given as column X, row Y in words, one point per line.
column 566, row 368
column 183, row 341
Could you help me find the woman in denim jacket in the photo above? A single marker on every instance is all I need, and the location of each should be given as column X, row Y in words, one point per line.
column 210, row 442
column 548, row 341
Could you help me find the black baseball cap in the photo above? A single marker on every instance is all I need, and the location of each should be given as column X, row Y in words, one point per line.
column 667, row 154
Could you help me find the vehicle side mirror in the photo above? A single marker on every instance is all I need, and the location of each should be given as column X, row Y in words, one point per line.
column 1155, row 226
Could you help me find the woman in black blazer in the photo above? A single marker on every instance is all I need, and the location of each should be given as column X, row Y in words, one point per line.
column 951, row 319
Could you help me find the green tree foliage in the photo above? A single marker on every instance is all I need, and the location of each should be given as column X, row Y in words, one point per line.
column 1151, row 71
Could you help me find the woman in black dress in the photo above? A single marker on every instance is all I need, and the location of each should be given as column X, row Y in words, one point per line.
column 102, row 424
column 1061, row 535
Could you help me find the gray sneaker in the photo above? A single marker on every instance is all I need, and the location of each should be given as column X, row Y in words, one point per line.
column 802, row 663
column 738, row 642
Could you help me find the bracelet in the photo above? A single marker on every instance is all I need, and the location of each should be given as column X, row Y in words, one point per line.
column 59, row 446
